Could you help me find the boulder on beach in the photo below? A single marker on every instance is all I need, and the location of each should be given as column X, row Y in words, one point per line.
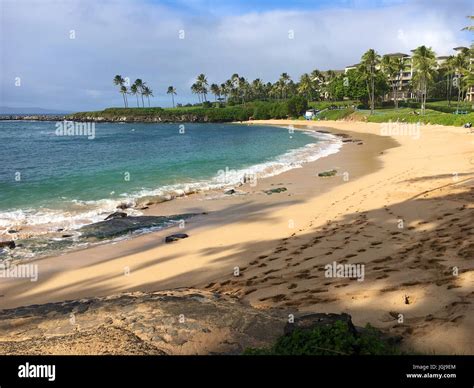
column 233, row 191
column 327, row 173
column 116, row 227
column 7, row 244
column 217, row 324
column 175, row 237
column 116, row 215
column 275, row 191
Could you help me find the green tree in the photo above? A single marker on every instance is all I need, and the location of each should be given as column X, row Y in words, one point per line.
column 369, row 64
column 306, row 86
column 171, row 90
column 424, row 65
column 134, row 91
column 470, row 28
column 140, row 85
column 448, row 69
column 119, row 81
column 201, row 86
column 124, row 91
column 393, row 67
column 297, row 105
column 461, row 72
column 147, row 92
column 216, row 91
column 284, row 81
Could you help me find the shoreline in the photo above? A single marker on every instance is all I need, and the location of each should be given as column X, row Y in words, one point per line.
column 216, row 211
column 279, row 265
column 136, row 205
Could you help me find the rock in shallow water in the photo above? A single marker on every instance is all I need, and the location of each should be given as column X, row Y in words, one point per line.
column 116, row 215
column 120, row 226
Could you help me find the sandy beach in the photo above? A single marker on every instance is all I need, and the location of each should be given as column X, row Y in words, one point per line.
column 402, row 205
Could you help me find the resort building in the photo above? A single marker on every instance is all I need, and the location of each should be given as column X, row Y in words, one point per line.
column 404, row 79
column 351, row 67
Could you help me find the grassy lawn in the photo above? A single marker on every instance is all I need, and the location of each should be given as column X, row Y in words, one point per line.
column 430, row 117
column 402, row 114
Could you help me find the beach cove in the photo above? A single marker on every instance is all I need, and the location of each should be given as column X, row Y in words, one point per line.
column 280, row 242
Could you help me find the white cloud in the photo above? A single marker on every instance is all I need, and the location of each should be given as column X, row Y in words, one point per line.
column 140, row 39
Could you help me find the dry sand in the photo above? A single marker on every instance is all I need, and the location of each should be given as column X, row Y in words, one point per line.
column 406, row 211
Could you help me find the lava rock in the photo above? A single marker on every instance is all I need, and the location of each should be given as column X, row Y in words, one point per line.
column 327, row 173
column 116, row 215
column 275, row 191
column 7, row 244
column 175, row 237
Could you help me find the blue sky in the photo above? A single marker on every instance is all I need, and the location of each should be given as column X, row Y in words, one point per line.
column 140, row 39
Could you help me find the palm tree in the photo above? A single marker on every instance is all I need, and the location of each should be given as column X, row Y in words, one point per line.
column 393, row 68
column 124, row 91
column 231, row 85
column 224, row 91
column 448, row 68
column 140, row 85
column 216, row 91
column 243, row 88
column 195, row 89
column 257, row 88
column 134, row 91
column 461, row 68
column 171, row 90
column 284, row 80
column 317, row 78
column 305, row 86
column 201, row 81
column 424, row 64
column 328, row 78
column 147, row 92
column 370, row 60
column 119, row 81
column 469, row 28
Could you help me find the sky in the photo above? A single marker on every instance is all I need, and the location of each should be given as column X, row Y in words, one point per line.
column 63, row 54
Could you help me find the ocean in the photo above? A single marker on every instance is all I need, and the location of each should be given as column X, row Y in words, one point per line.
column 53, row 179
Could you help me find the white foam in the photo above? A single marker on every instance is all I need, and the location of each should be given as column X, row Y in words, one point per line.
column 80, row 213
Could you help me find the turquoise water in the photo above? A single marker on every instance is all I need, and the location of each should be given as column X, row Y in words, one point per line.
column 69, row 181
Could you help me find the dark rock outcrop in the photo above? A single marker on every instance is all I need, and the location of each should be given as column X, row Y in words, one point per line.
column 116, row 227
column 116, row 215
column 7, row 244
column 275, row 191
column 175, row 237
column 168, row 322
